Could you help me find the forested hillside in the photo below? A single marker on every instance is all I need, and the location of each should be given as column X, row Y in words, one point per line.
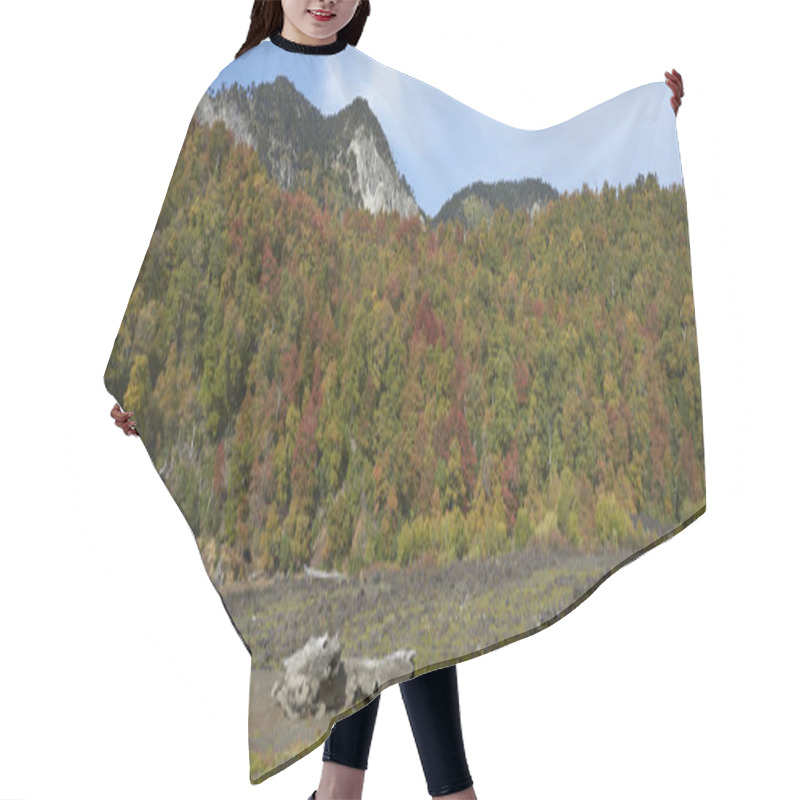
column 345, row 388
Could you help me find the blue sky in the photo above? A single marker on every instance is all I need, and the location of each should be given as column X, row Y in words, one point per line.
column 441, row 145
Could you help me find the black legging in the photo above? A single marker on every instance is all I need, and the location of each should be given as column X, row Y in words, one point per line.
column 433, row 711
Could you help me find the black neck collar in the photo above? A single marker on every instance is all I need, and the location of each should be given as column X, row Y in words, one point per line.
column 309, row 49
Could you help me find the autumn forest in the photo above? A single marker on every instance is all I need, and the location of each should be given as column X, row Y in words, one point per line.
column 318, row 384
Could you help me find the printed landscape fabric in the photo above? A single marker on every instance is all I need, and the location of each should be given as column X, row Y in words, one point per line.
column 418, row 381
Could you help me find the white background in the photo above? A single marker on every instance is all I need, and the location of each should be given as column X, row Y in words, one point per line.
column 120, row 673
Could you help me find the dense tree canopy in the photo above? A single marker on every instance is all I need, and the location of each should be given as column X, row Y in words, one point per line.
column 364, row 387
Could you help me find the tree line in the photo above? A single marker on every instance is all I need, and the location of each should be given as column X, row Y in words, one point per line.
column 313, row 379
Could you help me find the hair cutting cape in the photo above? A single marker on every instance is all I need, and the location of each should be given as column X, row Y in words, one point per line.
column 418, row 381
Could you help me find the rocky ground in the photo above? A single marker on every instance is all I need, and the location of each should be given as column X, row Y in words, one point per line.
column 444, row 613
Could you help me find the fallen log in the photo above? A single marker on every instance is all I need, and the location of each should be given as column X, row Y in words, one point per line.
column 318, row 573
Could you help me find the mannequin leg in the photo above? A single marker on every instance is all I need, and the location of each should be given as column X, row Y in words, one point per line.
column 434, row 713
column 435, row 716
column 345, row 756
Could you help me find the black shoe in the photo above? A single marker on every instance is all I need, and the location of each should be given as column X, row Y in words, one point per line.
column 313, row 795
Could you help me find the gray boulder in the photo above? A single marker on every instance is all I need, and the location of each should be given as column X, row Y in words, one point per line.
column 317, row 682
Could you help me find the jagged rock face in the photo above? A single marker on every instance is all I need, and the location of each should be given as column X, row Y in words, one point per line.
column 349, row 146
column 376, row 180
column 348, row 153
column 230, row 112
column 318, row 682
